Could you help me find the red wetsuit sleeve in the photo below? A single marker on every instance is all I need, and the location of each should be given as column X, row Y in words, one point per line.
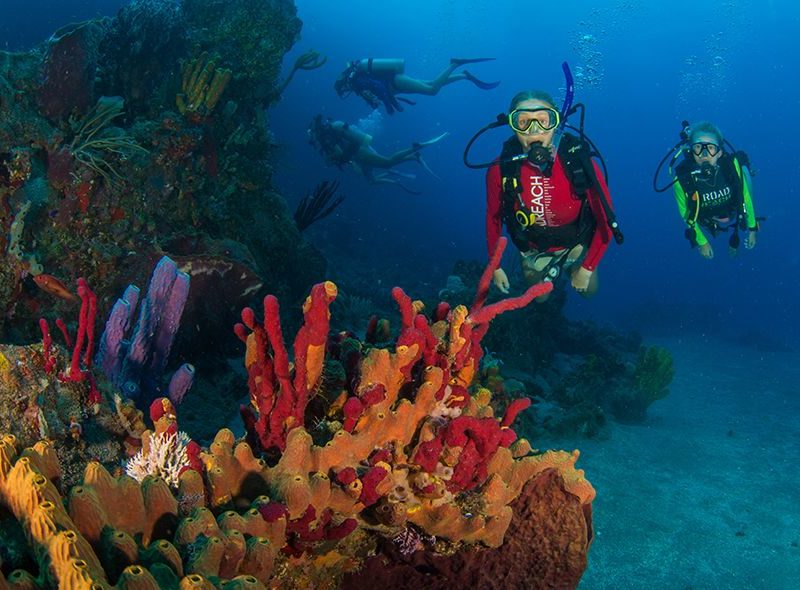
column 602, row 234
column 494, row 208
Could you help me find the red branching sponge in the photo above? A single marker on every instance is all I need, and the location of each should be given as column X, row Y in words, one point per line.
column 302, row 533
column 85, row 332
column 513, row 410
column 280, row 396
column 80, row 368
column 47, row 343
column 370, row 481
column 272, row 511
column 346, row 476
column 353, row 408
column 478, row 439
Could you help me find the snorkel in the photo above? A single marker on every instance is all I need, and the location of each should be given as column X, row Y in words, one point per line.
column 546, row 165
column 543, row 157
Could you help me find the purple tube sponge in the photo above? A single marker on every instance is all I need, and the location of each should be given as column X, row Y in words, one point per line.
column 137, row 364
column 113, row 345
column 181, row 382
column 170, row 320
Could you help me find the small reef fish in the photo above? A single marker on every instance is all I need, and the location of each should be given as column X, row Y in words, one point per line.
column 50, row 284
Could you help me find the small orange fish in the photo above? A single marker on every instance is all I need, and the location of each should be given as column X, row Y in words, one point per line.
column 50, row 284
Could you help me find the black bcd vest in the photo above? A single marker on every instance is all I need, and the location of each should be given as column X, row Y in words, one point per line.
column 575, row 157
column 690, row 183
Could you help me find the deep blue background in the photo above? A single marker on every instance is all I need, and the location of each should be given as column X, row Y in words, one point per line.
column 725, row 61
column 731, row 62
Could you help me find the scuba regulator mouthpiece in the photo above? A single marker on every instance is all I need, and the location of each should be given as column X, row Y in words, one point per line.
column 539, row 155
column 706, row 170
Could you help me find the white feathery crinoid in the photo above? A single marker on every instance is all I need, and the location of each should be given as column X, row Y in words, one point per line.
column 166, row 458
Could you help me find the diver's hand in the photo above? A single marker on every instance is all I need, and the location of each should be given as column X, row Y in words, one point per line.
column 750, row 242
column 581, row 278
column 500, row 280
column 706, row 251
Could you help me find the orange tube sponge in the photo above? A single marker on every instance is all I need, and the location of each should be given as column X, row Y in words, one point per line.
column 244, row 583
column 295, row 493
column 26, row 488
column 135, row 577
column 320, row 489
column 255, row 525
column 206, row 556
column 161, row 510
column 45, row 521
column 43, row 455
column 8, row 454
column 104, row 485
column 232, row 521
column 123, row 491
column 87, row 513
column 164, row 552
column 230, row 469
column 117, row 551
column 191, row 491
column 133, row 519
column 259, row 558
column 72, row 562
column 235, row 546
column 200, row 522
column 22, row 580
column 196, row 582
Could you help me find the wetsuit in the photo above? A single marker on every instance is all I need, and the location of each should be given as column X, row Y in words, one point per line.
column 375, row 86
column 559, row 214
column 720, row 197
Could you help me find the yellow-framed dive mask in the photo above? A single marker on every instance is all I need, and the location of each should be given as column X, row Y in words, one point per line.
column 534, row 120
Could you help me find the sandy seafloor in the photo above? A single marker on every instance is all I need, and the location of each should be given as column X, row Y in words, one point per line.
column 706, row 493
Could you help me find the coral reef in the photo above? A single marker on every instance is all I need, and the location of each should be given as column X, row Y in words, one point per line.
column 414, row 461
column 102, row 173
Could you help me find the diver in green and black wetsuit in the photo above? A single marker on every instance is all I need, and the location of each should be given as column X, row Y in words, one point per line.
column 713, row 190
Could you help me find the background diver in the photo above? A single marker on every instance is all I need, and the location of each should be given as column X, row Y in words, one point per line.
column 379, row 81
column 344, row 144
column 713, row 189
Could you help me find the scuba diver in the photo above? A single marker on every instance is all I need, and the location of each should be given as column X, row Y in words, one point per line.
column 379, row 81
column 344, row 144
column 549, row 193
column 713, row 188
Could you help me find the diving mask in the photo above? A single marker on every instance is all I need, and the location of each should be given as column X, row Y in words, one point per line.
column 710, row 148
column 534, row 120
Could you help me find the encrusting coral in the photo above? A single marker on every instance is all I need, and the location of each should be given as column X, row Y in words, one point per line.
column 397, row 470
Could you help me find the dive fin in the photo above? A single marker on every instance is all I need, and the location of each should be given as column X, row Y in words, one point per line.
column 397, row 173
column 459, row 61
column 408, row 190
column 424, row 164
column 480, row 83
column 422, row 144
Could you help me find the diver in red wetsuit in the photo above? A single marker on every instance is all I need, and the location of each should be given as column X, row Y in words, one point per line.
column 556, row 210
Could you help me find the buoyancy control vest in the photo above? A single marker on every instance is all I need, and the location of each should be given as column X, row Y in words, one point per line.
column 714, row 199
column 376, row 87
column 575, row 157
